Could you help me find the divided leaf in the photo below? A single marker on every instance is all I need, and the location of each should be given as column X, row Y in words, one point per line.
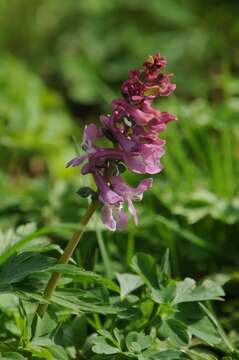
column 128, row 283
column 175, row 331
column 101, row 346
column 187, row 291
column 22, row 265
column 145, row 266
column 136, row 342
column 198, row 324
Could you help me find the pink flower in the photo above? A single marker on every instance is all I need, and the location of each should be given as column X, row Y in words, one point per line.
column 112, row 214
column 114, row 217
column 147, row 161
column 149, row 82
column 153, row 66
column 97, row 157
column 133, row 129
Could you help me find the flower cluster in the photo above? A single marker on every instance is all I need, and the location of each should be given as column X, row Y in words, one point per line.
column 133, row 128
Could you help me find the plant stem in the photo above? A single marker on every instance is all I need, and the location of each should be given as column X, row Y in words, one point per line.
column 71, row 246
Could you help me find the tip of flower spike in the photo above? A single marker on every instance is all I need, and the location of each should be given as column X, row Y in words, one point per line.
column 150, row 59
column 155, row 60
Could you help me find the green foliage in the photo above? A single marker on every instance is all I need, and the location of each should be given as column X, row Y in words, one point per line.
column 207, row 149
column 32, row 119
column 162, row 319
column 33, row 122
column 61, row 64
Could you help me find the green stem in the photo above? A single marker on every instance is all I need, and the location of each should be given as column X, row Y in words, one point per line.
column 69, row 250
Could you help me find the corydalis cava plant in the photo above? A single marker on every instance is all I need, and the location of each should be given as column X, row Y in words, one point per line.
column 133, row 127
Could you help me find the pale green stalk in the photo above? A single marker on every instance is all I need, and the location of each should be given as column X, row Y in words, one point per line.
column 69, row 250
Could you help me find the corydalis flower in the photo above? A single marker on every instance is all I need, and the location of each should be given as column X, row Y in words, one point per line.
column 133, row 127
column 113, row 215
column 114, row 197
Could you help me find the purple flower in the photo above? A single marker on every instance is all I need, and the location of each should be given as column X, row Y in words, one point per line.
column 153, row 66
column 97, row 157
column 146, row 161
column 133, row 127
column 149, row 82
column 113, row 214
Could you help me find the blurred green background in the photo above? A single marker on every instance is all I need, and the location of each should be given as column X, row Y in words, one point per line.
column 61, row 64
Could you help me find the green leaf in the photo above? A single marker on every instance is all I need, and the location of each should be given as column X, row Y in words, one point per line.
column 22, row 265
column 58, row 352
column 170, row 355
column 70, row 332
column 136, row 342
column 38, row 351
column 165, row 294
column 218, row 326
column 107, row 335
column 165, row 268
column 145, row 266
column 198, row 324
column 25, row 237
column 41, row 341
column 187, row 291
column 45, row 325
column 68, row 298
column 102, row 347
column 44, row 347
column 204, row 330
column 12, row 356
column 118, row 336
column 200, row 355
column 84, row 276
column 11, row 237
column 128, row 283
column 115, row 339
column 175, row 331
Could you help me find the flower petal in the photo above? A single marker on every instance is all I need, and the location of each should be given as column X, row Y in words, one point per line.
column 107, row 195
column 91, row 133
column 107, row 217
column 120, row 217
column 133, row 211
column 143, row 186
column 76, row 161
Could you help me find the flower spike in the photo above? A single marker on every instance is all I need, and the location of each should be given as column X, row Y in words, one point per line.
column 133, row 127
